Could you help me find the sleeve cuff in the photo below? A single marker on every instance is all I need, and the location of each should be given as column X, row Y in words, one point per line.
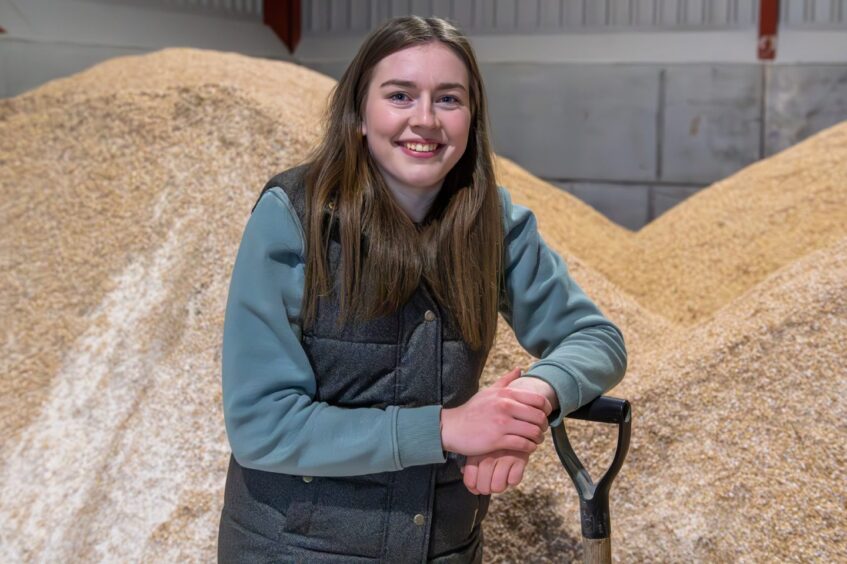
column 565, row 386
column 419, row 436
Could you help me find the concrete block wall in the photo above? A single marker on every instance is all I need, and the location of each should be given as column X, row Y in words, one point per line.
column 802, row 99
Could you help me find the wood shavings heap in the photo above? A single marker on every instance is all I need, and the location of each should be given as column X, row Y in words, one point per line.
column 125, row 190
column 738, row 448
column 699, row 255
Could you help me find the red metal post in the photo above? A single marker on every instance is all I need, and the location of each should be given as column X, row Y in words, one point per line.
column 283, row 17
column 768, row 19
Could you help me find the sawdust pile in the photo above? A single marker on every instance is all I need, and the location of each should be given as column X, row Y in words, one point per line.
column 698, row 256
column 125, row 190
column 739, row 431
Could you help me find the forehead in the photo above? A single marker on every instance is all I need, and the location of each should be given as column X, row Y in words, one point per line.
column 427, row 65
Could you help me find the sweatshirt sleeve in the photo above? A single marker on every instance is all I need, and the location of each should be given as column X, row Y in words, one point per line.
column 272, row 421
column 582, row 354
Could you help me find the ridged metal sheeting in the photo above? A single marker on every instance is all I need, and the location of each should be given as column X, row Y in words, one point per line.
column 248, row 9
column 534, row 16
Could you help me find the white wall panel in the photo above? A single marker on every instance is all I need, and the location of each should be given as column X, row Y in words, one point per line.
column 339, row 16
column 480, row 17
column 814, row 14
column 462, row 13
column 249, row 9
column 527, row 15
column 549, row 15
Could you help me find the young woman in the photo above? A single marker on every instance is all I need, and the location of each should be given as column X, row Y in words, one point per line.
column 362, row 307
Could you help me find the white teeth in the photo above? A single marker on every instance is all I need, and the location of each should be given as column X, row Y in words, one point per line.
column 421, row 148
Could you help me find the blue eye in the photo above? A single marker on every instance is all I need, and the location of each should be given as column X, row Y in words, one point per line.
column 454, row 101
column 392, row 97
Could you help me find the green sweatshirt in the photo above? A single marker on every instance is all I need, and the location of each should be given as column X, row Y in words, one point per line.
column 271, row 418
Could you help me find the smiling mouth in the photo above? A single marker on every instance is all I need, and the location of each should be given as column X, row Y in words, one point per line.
column 421, row 147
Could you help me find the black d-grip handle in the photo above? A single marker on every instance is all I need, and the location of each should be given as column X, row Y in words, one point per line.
column 594, row 498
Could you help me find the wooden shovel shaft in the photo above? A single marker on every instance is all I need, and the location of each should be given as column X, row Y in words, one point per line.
column 597, row 551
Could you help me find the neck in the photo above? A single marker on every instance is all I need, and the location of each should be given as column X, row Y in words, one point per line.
column 415, row 203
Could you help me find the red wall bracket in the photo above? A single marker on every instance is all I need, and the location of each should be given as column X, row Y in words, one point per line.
column 283, row 17
column 768, row 23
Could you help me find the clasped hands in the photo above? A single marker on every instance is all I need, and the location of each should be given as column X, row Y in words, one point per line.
column 497, row 430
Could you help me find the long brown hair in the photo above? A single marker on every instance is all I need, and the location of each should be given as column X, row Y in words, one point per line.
column 457, row 250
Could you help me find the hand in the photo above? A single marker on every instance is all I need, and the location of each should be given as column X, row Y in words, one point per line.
column 496, row 418
column 494, row 472
column 539, row 386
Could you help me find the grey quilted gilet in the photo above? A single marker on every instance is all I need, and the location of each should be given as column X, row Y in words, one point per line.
column 418, row 514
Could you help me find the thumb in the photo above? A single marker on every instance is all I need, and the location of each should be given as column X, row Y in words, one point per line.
column 507, row 378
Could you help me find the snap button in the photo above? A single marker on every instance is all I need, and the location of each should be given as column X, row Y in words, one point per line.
column 307, row 479
column 429, row 315
column 419, row 519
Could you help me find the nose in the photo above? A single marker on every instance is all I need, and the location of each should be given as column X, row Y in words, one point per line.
column 424, row 115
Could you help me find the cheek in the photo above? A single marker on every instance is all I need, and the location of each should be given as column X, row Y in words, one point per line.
column 459, row 128
column 385, row 121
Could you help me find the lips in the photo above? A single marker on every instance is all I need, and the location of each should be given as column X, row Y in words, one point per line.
column 420, row 154
column 421, row 141
column 404, row 143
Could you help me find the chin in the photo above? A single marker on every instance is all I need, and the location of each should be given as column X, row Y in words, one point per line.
column 427, row 184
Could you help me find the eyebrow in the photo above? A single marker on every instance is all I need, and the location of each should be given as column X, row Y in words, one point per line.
column 410, row 84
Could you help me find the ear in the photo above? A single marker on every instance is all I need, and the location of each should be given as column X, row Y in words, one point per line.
column 363, row 129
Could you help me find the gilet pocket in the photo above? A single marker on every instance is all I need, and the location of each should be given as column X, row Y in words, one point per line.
column 349, row 516
column 298, row 514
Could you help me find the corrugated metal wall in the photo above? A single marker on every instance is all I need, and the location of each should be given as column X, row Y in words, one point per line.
column 529, row 16
column 813, row 14
column 553, row 16
column 535, row 16
column 250, row 9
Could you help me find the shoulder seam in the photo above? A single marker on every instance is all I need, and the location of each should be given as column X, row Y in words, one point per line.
column 283, row 200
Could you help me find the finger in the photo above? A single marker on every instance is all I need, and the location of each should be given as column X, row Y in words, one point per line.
column 483, row 478
column 500, row 476
column 518, row 443
column 526, row 430
column 528, row 397
column 516, row 472
column 521, row 412
column 529, row 413
column 507, row 378
column 470, row 475
column 548, row 407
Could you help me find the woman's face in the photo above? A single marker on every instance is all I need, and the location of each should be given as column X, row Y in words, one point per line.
column 418, row 95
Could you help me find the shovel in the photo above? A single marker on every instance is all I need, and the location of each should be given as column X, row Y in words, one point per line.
column 594, row 498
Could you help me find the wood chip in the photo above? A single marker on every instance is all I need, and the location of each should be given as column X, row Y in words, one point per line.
column 125, row 190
